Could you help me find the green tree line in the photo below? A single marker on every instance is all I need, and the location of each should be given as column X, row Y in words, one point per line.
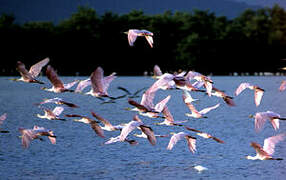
column 198, row 40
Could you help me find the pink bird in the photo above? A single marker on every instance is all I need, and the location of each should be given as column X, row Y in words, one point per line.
column 134, row 33
column 266, row 152
column 30, row 134
column 258, row 92
column 282, row 86
column 178, row 136
column 2, row 119
column 52, row 114
column 169, row 120
column 31, row 75
column 262, row 117
column 57, row 84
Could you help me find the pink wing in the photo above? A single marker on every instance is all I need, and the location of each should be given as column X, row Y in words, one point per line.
column 97, row 80
column 206, row 110
column 150, row 40
column 191, row 143
column 260, row 119
column 128, row 128
column 71, row 84
column 258, row 96
column 157, row 71
column 241, row 87
column 53, row 77
column 132, row 35
column 82, row 84
column 159, row 106
column 36, row 68
column 269, row 143
column 107, row 80
column 167, row 114
column 174, row 139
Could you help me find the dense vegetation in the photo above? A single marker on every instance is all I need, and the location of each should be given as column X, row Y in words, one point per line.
column 255, row 41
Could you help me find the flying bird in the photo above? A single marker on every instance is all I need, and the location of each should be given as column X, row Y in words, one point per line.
column 82, row 85
column 207, row 82
column 99, row 83
column 30, row 134
column 168, row 118
column 191, row 141
column 258, row 92
column 198, row 114
column 157, row 73
column 58, row 101
column 57, row 84
column 107, row 125
column 52, row 114
column 204, row 135
column 262, row 117
column 227, row 99
column 34, row 71
column 266, row 152
column 134, row 33
column 282, row 86
column 93, row 123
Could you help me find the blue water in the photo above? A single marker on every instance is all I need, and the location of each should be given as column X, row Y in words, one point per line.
column 80, row 153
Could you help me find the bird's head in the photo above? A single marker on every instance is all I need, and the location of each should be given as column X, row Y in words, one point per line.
column 251, row 116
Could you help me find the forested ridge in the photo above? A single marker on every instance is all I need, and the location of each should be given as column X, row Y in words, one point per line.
column 198, row 40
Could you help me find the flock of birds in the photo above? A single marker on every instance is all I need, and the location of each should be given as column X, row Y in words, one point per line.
column 186, row 82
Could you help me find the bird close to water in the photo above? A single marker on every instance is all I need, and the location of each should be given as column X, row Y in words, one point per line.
column 30, row 134
column 137, row 123
column 34, row 71
column 199, row 114
column 266, row 152
column 82, row 85
column 258, row 92
column 219, row 93
column 204, row 135
column 99, row 83
column 52, row 114
column 107, row 125
column 3, row 117
column 191, row 141
column 57, row 84
column 157, row 73
column 207, row 82
column 168, row 118
column 134, row 33
column 262, row 117
column 93, row 123
column 58, row 101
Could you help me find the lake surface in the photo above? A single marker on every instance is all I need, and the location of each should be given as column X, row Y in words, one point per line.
column 80, row 154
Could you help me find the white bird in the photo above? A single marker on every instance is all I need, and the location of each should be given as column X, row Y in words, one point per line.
column 82, row 85
column 200, row 168
column 2, row 118
column 93, row 124
column 134, row 33
column 202, row 78
column 258, row 92
column 99, row 83
column 199, row 114
column 58, row 101
column 107, row 125
column 262, row 117
column 266, row 152
column 135, row 124
column 52, row 115
column 117, row 139
column 30, row 134
column 57, row 84
column 204, row 135
column 178, row 136
column 31, row 75
column 168, row 118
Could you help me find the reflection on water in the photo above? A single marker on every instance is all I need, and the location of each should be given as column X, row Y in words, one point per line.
column 80, row 153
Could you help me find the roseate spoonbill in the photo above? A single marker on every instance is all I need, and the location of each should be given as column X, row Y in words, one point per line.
column 117, row 139
column 31, row 75
column 93, row 124
column 30, row 134
column 204, row 135
column 57, row 84
column 169, row 120
column 82, row 85
column 258, row 92
column 137, row 123
column 227, row 99
column 134, row 33
column 52, row 115
column 157, row 73
column 107, row 125
column 262, row 117
column 199, row 114
column 2, row 118
column 266, row 152
column 208, row 83
column 178, row 136
column 58, row 101
column 99, row 83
